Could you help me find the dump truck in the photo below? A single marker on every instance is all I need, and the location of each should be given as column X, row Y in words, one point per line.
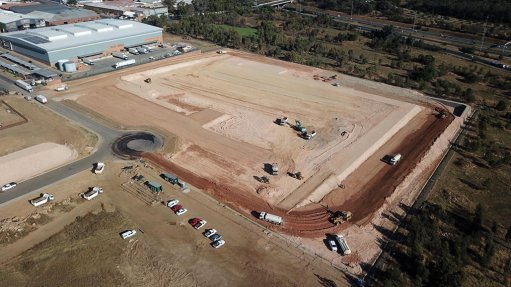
column 341, row 242
column 25, row 86
column 42, row 99
column 339, row 217
column 44, row 198
column 99, row 167
column 93, row 192
column 120, row 55
column 124, row 63
column 270, row 218
column 133, row 51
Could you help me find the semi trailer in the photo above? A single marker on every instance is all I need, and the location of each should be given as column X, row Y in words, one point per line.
column 124, row 63
column 120, row 55
column 25, row 86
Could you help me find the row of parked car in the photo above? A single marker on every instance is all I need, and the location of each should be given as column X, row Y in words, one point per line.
column 197, row 223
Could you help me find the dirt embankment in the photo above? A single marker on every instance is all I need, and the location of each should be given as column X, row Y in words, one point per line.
column 312, row 221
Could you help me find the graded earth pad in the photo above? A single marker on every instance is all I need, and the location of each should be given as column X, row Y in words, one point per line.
column 223, row 108
column 32, row 161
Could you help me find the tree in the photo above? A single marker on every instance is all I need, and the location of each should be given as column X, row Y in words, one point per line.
column 72, row 2
column 501, row 106
column 477, row 220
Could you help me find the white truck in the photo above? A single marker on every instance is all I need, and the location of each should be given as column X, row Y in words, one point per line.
column 149, row 49
column 25, row 86
column 270, row 218
column 133, row 51
column 120, row 55
column 44, row 198
column 124, row 63
column 393, row 159
column 62, row 88
column 42, row 99
column 99, row 167
column 93, row 192
column 142, row 50
column 341, row 242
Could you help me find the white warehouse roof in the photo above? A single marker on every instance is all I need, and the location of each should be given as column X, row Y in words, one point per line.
column 79, row 34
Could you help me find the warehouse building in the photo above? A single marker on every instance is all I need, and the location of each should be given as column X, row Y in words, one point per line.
column 137, row 10
column 10, row 21
column 82, row 40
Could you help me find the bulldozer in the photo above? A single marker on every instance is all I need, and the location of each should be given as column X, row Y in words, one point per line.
column 338, row 217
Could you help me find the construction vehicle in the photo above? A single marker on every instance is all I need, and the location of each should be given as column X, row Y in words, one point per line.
column 393, row 159
column 263, row 179
column 270, row 218
column 274, row 169
column 339, row 217
column 297, row 175
column 281, row 121
column 148, row 80
column 44, row 198
column 93, row 192
column 341, row 241
column 299, row 127
column 309, row 136
column 62, row 88
column 441, row 113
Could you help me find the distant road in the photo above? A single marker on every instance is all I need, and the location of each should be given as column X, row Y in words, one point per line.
column 106, row 136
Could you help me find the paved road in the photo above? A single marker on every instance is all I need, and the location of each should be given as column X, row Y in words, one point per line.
column 102, row 152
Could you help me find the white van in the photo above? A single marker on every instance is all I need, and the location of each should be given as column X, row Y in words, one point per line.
column 128, row 233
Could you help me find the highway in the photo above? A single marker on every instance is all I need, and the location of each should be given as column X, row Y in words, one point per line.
column 106, row 136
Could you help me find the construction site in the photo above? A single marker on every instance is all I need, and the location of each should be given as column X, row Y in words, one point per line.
column 304, row 144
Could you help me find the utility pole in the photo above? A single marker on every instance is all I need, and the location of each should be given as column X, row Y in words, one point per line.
column 484, row 34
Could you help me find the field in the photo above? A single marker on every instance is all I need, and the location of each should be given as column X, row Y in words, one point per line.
column 223, row 110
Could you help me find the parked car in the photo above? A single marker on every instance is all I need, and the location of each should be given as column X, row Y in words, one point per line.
column 199, row 224
column 8, row 186
column 179, row 209
column 332, row 245
column 218, row 243
column 172, row 202
column 128, row 233
column 215, row 237
column 209, row 232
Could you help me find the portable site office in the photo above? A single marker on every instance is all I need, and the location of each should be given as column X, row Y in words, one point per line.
column 154, row 186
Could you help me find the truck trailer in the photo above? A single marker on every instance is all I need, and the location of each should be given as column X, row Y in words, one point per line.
column 42, row 99
column 142, row 50
column 343, row 244
column 120, row 55
column 133, row 51
column 124, row 63
column 25, row 86
column 44, row 198
column 270, row 218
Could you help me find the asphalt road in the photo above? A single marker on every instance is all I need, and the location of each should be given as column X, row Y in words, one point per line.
column 106, row 136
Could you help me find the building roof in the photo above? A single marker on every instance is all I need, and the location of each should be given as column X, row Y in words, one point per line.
column 9, row 16
column 79, row 34
column 126, row 5
column 54, row 12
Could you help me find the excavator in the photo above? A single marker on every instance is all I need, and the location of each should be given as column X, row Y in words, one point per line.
column 299, row 127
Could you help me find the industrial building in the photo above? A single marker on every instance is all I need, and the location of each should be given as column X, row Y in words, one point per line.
column 56, row 14
column 10, row 21
column 72, row 42
column 137, row 10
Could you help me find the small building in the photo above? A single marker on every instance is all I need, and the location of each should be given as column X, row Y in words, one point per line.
column 11, row 21
column 154, row 186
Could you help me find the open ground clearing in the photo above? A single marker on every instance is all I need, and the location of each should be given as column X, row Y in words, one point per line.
column 43, row 126
column 223, row 107
column 167, row 251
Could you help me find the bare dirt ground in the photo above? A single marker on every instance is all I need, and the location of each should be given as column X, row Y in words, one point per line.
column 34, row 160
column 167, row 251
column 42, row 126
column 222, row 108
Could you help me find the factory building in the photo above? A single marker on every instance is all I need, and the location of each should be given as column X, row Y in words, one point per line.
column 133, row 9
column 56, row 14
column 10, row 21
column 82, row 40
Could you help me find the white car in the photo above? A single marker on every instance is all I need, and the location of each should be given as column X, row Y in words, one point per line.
column 200, row 224
column 8, row 186
column 181, row 211
column 172, row 202
column 128, row 233
column 218, row 243
column 209, row 232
